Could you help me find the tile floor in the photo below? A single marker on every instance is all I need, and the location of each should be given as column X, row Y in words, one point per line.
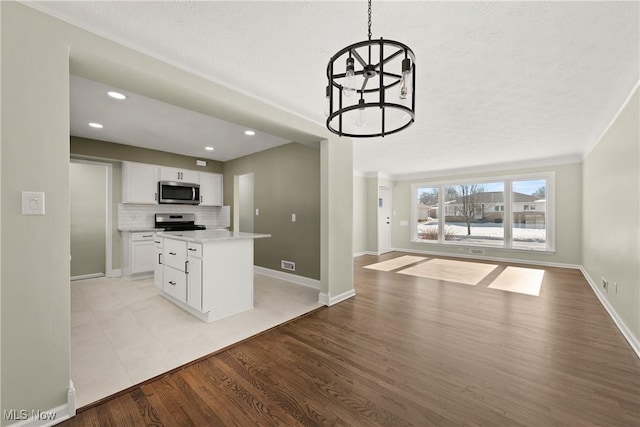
column 123, row 332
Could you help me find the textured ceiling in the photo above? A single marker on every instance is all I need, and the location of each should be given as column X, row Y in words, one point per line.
column 497, row 82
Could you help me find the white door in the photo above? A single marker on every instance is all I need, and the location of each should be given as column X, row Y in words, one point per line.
column 384, row 220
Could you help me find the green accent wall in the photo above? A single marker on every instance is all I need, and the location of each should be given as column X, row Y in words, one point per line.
column 286, row 181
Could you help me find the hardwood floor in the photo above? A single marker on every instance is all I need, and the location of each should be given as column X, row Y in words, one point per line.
column 410, row 351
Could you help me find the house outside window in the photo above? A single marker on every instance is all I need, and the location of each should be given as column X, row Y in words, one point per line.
column 505, row 212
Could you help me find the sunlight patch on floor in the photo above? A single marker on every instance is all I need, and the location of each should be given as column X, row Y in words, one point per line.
column 395, row 263
column 521, row 280
column 464, row 272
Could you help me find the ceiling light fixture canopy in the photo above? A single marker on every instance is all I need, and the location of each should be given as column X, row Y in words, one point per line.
column 371, row 88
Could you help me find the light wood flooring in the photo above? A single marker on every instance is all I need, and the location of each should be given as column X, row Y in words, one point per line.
column 410, row 350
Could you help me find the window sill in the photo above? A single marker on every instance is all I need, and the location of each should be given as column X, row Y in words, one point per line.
column 484, row 247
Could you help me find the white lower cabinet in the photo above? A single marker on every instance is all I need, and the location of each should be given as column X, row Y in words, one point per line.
column 158, row 263
column 210, row 280
column 139, row 254
column 175, row 254
column 194, row 277
column 175, row 283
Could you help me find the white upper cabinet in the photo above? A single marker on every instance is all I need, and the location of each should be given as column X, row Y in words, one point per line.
column 179, row 175
column 139, row 183
column 210, row 189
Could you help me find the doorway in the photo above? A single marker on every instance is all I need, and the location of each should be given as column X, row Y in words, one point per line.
column 245, row 204
column 384, row 220
column 90, row 208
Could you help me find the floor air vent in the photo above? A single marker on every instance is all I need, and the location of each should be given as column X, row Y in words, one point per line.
column 288, row 265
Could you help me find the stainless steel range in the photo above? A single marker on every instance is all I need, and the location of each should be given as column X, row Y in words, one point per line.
column 177, row 222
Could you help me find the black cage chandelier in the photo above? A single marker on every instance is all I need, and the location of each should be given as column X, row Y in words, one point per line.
column 371, row 88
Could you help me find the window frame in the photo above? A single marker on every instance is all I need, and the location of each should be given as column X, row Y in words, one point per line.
column 550, row 213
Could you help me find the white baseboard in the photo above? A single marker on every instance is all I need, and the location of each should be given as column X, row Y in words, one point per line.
column 325, row 299
column 299, row 280
column 87, row 276
column 624, row 329
column 490, row 258
column 357, row 254
column 50, row 417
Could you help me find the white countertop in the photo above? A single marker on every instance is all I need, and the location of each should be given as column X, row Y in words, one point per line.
column 204, row 236
column 139, row 229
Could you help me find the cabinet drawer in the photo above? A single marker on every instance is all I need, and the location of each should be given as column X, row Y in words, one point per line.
column 194, row 250
column 142, row 236
column 175, row 283
column 175, row 253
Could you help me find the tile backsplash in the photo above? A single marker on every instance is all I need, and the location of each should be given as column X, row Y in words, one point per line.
column 132, row 216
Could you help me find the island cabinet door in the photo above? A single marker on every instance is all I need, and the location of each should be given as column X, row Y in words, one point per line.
column 194, row 283
column 175, row 253
column 174, row 283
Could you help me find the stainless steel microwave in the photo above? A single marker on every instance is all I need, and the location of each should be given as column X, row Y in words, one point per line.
column 178, row 193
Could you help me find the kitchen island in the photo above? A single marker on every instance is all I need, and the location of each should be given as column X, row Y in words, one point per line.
column 208, row 273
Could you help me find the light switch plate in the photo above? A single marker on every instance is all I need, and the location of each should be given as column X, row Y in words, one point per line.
column 293, row 217
column 32, row 203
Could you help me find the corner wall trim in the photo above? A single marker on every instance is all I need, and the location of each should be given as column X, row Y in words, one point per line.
column 115, row 273
column 294, row 278
column 50, row 417
column 327, row 300
column 626, row 332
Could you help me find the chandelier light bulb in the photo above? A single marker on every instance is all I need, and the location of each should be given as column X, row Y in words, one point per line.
column 349, row 86
column 361, row 121
column 327, row 102
column 405, row 81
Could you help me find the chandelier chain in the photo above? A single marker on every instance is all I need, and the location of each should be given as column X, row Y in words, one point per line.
column 369, row 19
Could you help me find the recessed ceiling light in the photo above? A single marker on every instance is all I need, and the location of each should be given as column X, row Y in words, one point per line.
column 208, row 148
column 96, row 125
column 249, row 132
column 116, row 95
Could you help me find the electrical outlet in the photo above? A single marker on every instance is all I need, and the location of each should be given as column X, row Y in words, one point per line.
column 605, row 284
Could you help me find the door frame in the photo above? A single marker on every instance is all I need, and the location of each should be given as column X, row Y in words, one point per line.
column 108, row 263
column 389, row 194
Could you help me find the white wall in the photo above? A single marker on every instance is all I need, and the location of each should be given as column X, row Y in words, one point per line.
column 611, row 206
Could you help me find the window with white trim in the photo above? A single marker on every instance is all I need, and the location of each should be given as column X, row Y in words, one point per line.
column 502, row 212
